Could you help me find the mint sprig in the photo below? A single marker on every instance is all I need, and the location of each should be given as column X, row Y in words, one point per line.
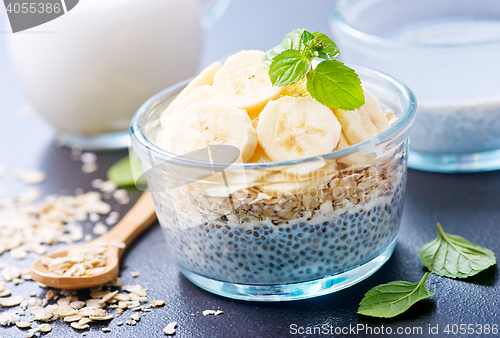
column 331, row 83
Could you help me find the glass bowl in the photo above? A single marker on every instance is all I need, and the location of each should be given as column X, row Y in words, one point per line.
column 447, row 52
column 281, row 230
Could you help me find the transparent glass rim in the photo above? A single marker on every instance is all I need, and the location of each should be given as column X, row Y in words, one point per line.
column 401, row 126
column 338, row 20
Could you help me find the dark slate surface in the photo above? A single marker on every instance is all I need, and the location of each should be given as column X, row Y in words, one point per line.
column 467, row 205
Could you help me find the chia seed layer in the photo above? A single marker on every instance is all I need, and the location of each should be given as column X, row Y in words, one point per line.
column 248, row 239
column 301, row 251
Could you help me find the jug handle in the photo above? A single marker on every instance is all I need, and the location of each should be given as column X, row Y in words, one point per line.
column 211, row 11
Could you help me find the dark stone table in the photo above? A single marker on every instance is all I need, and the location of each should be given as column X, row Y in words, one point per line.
column 467, row 205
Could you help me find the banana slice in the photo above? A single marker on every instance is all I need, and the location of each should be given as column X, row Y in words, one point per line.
column 350, row 160
column 259, row 156
column 229, row 181
column 244, row 83
column 377, row 115
column 198, row 95
column 363, row 123
column 296, row 127
column 203, row 124
column 206, row 77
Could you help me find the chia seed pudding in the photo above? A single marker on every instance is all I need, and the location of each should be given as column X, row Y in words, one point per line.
column 251, row 237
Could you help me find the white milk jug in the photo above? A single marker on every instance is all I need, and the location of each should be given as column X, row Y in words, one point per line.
column 89, row 70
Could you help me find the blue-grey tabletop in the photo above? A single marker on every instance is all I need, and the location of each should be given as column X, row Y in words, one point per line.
column 466, row 205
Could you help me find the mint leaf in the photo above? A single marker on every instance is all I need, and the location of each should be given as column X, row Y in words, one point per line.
column 121, row 173
column 455, row 257
column 288, row 68
column 290, row 41
column 336, row 86
column 329, row 48
column 305, row 38
column 392, row 299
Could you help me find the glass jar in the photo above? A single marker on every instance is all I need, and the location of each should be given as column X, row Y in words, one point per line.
column 281, row 230
column 447, row 52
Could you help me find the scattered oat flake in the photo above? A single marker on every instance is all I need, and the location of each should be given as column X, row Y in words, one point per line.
column 170, row 328
column 94, row 217
column 119, row 323
column 5, row 293
column 156, row 303
column 108, row 317
column 11, row 301
column 77, row 304
column 108, row 186
column 212, row 312
column 88, row 168
column 30, row 176
column 134, row 274
column 74, row 318
column 19, row 253
column 44, row 315
column 23, row 325
column 50, row 294
column 136, row 316
column 77, row 326
column 137, row 289
column 32, row 332
column 108, row 296
column 105, row 329
column 88, row 158
column 45, row 328
column 99, row 229
column 96, row 184
column 84, row 321
column 8, row 318
column 10, row 272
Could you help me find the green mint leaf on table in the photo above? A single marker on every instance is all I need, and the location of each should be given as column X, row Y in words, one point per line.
column 392, row 299
column 332, row 83
column 288, row 68
column 121, row 173
column 291, row 41
column 454, row 256
column 336, row 86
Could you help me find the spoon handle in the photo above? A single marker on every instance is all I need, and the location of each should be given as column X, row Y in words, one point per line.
column 138, row 219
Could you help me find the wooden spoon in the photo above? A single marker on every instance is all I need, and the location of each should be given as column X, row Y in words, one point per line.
column 138, row 219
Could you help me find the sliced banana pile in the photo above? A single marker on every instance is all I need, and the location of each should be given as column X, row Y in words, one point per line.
column 236, row 104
